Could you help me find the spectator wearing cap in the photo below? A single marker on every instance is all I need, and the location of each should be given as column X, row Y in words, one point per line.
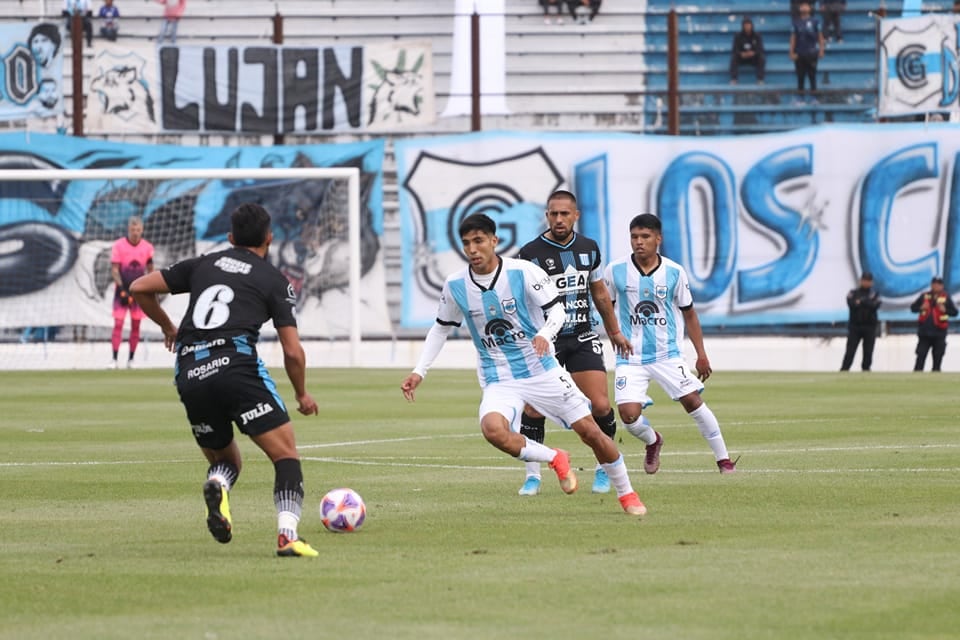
column 863, row 324
column 747, row 49
column 935, row 308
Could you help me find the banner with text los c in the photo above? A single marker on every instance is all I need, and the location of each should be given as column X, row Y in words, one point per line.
column 772, row 229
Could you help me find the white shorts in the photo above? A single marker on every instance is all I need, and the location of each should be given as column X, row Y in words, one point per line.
column 552, row 393
column 631, row 381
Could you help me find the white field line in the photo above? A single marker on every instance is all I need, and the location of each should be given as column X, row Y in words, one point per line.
column 429, row 461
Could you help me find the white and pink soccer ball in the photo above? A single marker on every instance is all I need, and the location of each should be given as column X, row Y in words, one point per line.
column 342, row 510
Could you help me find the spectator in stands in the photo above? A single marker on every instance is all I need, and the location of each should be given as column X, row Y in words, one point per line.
column 79, row 8
column 831, row 11
column 109, row 21
column 935, row 307
column 583, row 11
column 172, row 12
column 44, row 42
column 556, row 5
column 747, row 49
column 807, row 46
column 956, row 6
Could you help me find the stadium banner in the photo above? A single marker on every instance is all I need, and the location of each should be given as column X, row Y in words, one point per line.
column 122, row 91
column 918, row 70
column 773, row 229
column 31, row 70
column 56, row 236
column 284, row 89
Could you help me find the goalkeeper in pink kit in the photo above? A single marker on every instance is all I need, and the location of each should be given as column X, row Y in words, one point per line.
column 131, row 257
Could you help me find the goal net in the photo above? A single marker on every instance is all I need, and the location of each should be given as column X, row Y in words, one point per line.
column 58, row 226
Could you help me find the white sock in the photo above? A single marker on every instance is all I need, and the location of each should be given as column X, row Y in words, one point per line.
column 536, row 452
column 617, row 472
column 532, row 467
column 641, row 428
column 287, row 522
column 710, row 429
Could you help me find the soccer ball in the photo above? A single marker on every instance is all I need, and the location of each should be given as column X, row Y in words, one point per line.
column 342, row 510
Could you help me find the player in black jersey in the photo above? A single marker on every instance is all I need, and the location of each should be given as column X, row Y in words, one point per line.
column 220, row 378
column 573, row 262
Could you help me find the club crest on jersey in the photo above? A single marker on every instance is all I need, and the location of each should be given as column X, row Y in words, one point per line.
column 509, row 305
column 661, row 291
column 585, row 259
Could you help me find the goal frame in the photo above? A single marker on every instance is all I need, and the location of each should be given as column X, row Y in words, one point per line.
column 351, row 174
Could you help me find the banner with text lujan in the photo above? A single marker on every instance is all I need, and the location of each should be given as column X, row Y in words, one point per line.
column 918, row 65
column 276, row 89
column 31, row 70
column 773, row 229
column 56, row 235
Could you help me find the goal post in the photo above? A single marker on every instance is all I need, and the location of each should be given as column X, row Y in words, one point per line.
column 56, row 227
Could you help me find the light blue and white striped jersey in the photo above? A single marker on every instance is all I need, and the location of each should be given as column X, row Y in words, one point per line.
column 648, row 308
column 502, row 319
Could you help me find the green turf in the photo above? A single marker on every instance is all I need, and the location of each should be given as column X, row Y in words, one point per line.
column 842, row 523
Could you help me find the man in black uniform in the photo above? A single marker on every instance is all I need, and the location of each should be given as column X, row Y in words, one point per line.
column 573, row 262
column 863, row 303
column 220, row 378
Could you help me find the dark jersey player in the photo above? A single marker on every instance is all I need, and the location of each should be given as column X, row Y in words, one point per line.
column 220, row 378
column 573, row 262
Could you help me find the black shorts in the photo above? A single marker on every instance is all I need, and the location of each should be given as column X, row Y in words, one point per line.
column 227, row 390
column 583, row 352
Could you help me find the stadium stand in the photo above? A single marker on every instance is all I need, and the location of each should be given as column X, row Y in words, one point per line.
column 846, row 75
column 608, row 75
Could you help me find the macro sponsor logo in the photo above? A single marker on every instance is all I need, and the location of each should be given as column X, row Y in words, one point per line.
column 501, row 332
column 645, row 313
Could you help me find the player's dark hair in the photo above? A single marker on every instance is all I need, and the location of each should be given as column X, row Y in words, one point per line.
column 48, row 30
column 478, row 222
column 646, row 221
column 563, row 193
column 249, row 224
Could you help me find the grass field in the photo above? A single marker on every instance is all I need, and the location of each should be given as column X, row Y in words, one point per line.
column 842, row 523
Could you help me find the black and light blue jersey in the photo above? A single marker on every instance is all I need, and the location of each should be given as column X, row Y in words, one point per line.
column 572, row 267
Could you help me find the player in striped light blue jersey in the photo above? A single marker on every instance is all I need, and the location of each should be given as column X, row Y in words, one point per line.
column 654, row 306
column 512, row 310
